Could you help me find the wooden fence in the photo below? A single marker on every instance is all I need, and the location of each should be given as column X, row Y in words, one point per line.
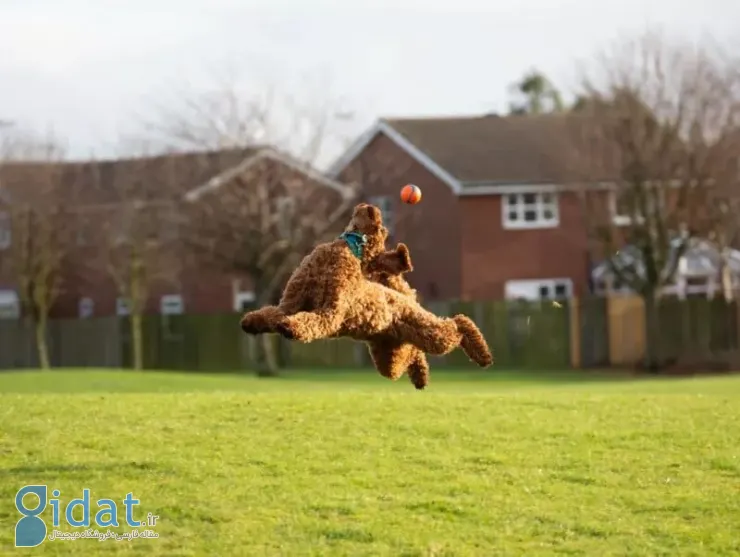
column 589, row 333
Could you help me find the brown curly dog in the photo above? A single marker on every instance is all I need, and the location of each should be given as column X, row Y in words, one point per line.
column 329, row 296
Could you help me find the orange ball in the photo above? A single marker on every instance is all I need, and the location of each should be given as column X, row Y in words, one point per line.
column 410, row 194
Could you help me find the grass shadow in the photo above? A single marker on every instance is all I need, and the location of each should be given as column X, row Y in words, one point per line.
column 41, row 470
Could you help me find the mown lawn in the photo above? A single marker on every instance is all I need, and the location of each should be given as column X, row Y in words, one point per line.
column 486, row 463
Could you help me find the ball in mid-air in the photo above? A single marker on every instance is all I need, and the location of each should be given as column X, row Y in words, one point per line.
column 410, row 194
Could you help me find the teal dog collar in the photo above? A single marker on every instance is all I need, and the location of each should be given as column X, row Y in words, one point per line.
column 355, row 241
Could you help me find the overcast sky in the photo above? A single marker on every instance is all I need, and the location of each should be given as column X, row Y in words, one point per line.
column 92, row 69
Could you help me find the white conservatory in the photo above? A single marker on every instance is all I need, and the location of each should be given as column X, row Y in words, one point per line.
column 698, row 274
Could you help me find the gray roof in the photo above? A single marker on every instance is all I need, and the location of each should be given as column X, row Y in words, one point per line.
column 489, row 148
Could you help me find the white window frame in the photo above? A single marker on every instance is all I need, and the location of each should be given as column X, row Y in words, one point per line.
column 171, row 304
column 385, row 204
column 85, row 307
column 6, row 230
column 241, row 297
column 536, row 284
column 122, row 307
column 513, row 204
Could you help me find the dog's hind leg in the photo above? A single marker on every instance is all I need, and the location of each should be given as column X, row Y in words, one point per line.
column 473, row 343
column 429, row 333
column 391, row 359
column 419, row 370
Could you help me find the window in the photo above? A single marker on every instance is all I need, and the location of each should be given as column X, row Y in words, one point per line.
column 624, row 206
column 169, row 224
column 621, row 208
column 122, row 307
column 285, row 212
column 171, row 304
column 121, row 226
column 5, row 230
column 243, row 301
column 85, row 308
column 545, row 289
column 385, row 204
column 530, row 210
column 10, row 306
column 611, row 286
column 83, row 231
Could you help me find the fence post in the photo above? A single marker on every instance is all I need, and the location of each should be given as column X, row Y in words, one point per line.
column 575, row 332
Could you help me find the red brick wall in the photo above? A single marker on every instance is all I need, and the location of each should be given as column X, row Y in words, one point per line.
column 492, row 255
column 431, row 229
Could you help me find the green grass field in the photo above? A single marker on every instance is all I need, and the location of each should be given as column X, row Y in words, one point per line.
column 486, row 463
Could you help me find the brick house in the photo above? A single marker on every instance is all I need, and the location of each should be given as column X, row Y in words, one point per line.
column 158, row 186
column 500, row 215
column 495, row 220
column 9, row 303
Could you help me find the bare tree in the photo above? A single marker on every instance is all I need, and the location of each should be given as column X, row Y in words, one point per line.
column 656, row 128
column 714, row 144
column 137, row 228
column 258, row 218
column 232, row 113
column 41, row 230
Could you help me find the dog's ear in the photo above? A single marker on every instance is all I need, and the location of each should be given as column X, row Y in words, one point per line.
column 374, row 214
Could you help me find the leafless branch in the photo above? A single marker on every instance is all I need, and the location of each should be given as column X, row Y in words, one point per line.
column 234, row 113
column 259, row 216
column 660, row 127
column 136, row 223
column 41, row 230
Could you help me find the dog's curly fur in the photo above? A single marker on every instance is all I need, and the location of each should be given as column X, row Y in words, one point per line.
column 393, row 358
column 328, row 295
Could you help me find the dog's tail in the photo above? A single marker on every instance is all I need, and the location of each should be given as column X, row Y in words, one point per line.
column 473, row 343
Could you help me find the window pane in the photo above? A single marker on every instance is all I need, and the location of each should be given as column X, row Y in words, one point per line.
column 381, row 202
column 560, row 290
column 5, row 230
column 530, row 198
column 546, row 198
column 547, row 214
column 624, row 203
column 530, row 216
column 544, row 291
column 512, row 200
column 513, row 215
